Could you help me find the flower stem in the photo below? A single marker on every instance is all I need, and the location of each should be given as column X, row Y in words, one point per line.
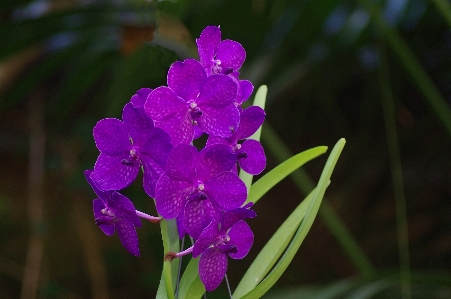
column 228, row 286
column 152, row 219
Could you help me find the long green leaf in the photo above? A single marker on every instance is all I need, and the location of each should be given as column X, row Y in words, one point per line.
column 303, row 229
column 191, row 287
column 170, row 238
column 273, row 249
column 269, row 180
column 260, row 101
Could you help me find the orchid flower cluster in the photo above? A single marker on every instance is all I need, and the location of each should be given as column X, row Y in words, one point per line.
column 201, row 189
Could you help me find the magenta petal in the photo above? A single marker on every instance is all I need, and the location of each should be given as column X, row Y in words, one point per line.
column 180, row 227
column 212, row 160
column 152, row 172
column 185, row 78
column 111, row 174
column 250, row 120
column 206, row 238
column 245, row 91
column 128, row 236
column 217, row 91
column 181, row 163
column 212, row 268
column 170, row 196
column 140, row 97
column 219, row 122
column 231, row 54
column 255, row 162
column 97, row 206
column 226, row 190
column 242, row 237
column 124, row 208
column 103, row 195
column 162, row 103
column 231, row 217
column 138, row 123
column 207, row 43
column 217, row 140
column 111, row 136
column 198, row 214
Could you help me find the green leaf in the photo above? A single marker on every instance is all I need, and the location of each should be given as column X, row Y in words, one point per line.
column 191, row 287
column 269, row 255
column 260, row 101
column 313, row 206
column 269, row 180
column 170, row 238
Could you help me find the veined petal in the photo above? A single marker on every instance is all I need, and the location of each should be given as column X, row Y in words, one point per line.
column 198, row 214
column 218, row 140
column 138, row 123
column 97, row 206
column 255, row 162
column 242, row 237
column 124, row 208
column 226, row 190
column 179, row 127
column 111, row 136
column 220, row 122
column 128, row 236
column 111, row 174
column 180, row 227
column 206, row 238
column 212, row 268
column 250, row 120
column 185, row 78
column 244, row 91
column 207, row 43
column 231, row 217
column 212, row 160
column 151, row 174
column 162, row 103
column 170, row 196
column 103, row 195
column 140, row 97
column 231, row 54
column 181, row 163
column 217, row 91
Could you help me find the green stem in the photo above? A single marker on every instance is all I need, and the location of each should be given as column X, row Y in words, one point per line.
column 397, row 175
column 305, row 184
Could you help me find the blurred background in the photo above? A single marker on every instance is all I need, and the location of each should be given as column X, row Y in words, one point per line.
column 377, row 73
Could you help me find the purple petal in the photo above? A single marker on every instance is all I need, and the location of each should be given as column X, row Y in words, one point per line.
column 97, row 206
column 180, row 227
column 217, row 140
column 255, row 162
column 170, row 196
column 111, row 174
column 206, row 238
column 138, row 123
column 111, row 136
column 198, row 214
column 128, row 236
column 242, row 237
column 179, row 126
column 219, row 122
column 212, row 160
column 229, row 218
column 244, row 91
column 207, row 43
column 226, row 190
column 152, row 172
column 250, row 120
column 101, row 194
column 217, row 91
column 162, row 103
column 140, row 97
column 197, row 132
column 185, row 78
column 181, row 163
column 124, row 208
column 231, row 54
column 212, row 268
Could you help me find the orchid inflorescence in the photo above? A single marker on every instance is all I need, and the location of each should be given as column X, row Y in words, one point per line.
column 201, row 189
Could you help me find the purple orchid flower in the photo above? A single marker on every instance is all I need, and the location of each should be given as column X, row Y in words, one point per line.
column 115, row 212
column 229, row 235
column 126, row 146
column 223, row 57
column 140, row 97
column 249, row 154
column 200, row 184
column 191, row 99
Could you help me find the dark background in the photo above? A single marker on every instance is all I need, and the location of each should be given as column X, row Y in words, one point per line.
column 377, row 73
